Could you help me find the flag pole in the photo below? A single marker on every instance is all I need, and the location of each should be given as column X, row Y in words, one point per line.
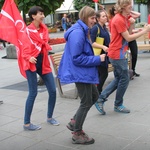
column 96, row 4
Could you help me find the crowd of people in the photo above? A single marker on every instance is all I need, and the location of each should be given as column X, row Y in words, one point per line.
column 133, row 48
column 80, row 65
column 89, row 71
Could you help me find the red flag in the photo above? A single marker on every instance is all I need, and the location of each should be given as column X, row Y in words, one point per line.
column 12, row 29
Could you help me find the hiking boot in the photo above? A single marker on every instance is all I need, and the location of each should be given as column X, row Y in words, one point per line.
column 81, row 138
column 100, row 106
column 70, row 125
column 121, row 109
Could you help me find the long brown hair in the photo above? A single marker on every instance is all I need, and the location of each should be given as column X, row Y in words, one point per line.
column 98, row 13
column 85, row 13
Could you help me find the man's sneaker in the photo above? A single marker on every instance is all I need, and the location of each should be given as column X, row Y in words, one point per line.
column 54, row 122
column 70, row 125
column 100, row 107
column 32, row 127
column 121, row 109
column 81, row 138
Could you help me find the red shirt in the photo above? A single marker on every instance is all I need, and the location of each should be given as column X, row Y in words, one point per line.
column 38, row 44
column 118, row 45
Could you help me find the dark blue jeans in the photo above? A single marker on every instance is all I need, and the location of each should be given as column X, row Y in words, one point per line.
column 120, row 82
column 88, row 94
column 33, row 86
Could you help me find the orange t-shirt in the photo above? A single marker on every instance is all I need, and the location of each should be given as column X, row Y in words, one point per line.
column 118, row 45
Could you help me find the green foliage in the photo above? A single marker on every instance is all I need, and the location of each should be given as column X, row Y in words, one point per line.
column 141, row 1
column 78, row 4
column 1, row 3
column 49, row 6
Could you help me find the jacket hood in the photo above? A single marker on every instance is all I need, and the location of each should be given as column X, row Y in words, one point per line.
column 78, row 25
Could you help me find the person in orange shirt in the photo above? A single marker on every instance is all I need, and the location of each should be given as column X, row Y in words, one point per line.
column 120, row 36
column 132, row 44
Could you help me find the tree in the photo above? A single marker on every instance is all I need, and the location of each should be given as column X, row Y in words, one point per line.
column 141, row 1
column 78, row 4
column 49, row 6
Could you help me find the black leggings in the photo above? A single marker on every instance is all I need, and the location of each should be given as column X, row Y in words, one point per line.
column 134, row 52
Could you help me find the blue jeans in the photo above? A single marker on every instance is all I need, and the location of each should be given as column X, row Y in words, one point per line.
column 88, row 94
column 120, row 82
column 33, row 86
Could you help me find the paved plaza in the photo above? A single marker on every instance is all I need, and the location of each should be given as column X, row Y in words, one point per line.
column 114, row 131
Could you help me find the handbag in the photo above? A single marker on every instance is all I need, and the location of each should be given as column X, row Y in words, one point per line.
column 99, row 40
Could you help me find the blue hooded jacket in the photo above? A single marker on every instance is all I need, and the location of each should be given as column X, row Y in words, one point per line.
column 78, row 63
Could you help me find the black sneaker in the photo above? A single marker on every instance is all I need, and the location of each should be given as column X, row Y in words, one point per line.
column 81, row 138
column 1, row 102
column 136, row 74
